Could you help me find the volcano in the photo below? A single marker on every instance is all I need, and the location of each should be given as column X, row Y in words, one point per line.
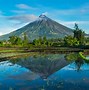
column 43, row 26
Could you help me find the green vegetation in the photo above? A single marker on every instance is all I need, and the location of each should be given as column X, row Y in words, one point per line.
column 72, row 56
column 76, row 56
column 79, row 35
column 82, row 56
column 42, row 42
column 78, row 41
column 71, row 41
column 12, row 55
column 79, row 59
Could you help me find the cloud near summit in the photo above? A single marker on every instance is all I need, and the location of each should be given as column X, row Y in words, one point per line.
column 23, row 18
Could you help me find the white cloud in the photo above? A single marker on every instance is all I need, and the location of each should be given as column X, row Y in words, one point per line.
column 22, row 6
column 10, row 23
column 84, row 25
column 7, row 29
column 69, row 23
column 23, row 18
column 18, row 11
column 85, row 8
column 76, row 12
column 65, row 12
column 25, row 6
column 79, row 11
column 45, row 13
column 1, row 33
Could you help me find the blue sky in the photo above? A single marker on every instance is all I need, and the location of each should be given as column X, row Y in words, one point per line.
column 16, row 13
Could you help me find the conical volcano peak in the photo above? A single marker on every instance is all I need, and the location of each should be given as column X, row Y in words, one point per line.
column 42, row 16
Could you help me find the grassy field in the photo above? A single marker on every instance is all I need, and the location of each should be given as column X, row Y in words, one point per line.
column 19, row 52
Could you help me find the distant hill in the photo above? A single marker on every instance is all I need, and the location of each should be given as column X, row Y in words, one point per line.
column 87, row 35
column 43, row 26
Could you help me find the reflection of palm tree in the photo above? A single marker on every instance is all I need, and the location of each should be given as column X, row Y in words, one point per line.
column 79, row 62
column 75, row 57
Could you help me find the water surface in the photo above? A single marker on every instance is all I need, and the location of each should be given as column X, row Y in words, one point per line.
column 44, row 72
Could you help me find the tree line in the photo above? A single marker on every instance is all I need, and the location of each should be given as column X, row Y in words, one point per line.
column 78, row 39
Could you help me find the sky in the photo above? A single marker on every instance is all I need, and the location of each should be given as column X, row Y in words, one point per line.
column 15, row 14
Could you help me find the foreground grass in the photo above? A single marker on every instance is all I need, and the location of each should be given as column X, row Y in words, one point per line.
column 7, row 53
column 12, row 55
